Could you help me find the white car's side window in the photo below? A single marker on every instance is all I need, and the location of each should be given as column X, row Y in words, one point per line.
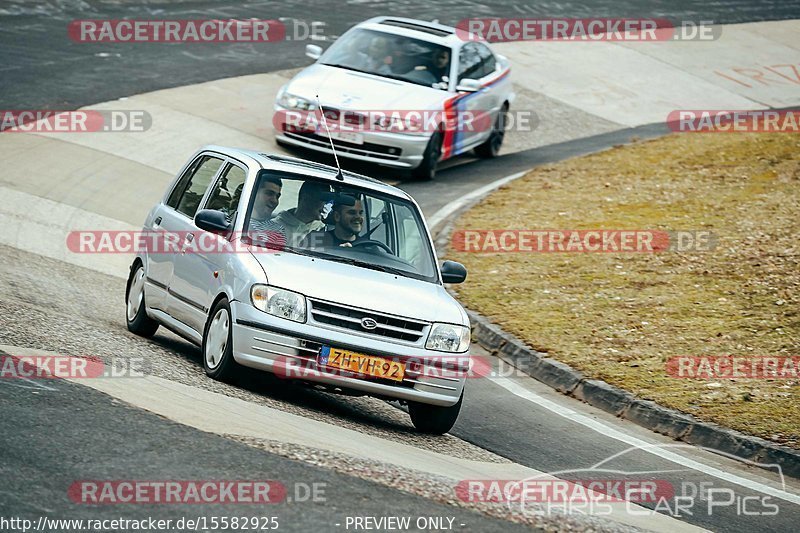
column 228, row 190
column 193, row 185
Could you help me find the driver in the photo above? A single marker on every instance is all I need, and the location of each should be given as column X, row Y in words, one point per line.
column 347, row 218
column 440, row 63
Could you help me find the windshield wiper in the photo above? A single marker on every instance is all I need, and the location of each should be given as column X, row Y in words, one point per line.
column 347, row 67
column 372, row 266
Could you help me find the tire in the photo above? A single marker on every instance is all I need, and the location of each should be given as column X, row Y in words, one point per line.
column 434, row 419
column 491, row 147
column 218, row 361
column 427, row 169
column 135, row 313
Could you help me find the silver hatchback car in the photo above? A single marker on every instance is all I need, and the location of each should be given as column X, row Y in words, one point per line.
column 320, row 277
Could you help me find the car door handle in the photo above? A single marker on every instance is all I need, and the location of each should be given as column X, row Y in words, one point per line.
column 157, row 222
column 189, row 237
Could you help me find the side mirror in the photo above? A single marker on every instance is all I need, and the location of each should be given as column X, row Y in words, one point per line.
column 469, row 86
column 313, row 51
column 211, row 220
column 453, row 272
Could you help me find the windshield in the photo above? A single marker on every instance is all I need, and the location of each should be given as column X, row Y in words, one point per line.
column 340, row 223
column 391, row 56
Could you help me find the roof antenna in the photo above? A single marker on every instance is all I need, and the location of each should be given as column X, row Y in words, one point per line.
column 339, row 175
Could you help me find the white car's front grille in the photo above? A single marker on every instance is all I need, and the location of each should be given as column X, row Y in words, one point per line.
column 380, row 325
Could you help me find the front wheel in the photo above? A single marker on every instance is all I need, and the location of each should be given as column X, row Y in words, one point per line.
column 491, row 146
column 218, row 359
column 434, row 419
column 433, row 151
column 135, row 313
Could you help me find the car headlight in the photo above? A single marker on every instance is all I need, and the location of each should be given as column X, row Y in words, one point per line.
column 279, row 302
column 291, row 101
column 448, row 338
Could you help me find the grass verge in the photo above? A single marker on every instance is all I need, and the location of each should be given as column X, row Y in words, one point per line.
column 620, row 317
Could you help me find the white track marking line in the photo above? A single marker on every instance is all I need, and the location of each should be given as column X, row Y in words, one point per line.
column 440, row 215
column 608, row 431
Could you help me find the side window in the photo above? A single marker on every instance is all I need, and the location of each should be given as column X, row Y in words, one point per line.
column 193, row 190
column 470, row 63
column 488, row 60
column 377, row 218
column 180, row 186
column 227, row 191
column 409, row 239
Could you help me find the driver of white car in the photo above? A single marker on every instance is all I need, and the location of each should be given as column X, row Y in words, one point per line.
column 347, row 218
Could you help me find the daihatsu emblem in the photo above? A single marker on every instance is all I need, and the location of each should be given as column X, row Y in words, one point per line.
column 368, row 323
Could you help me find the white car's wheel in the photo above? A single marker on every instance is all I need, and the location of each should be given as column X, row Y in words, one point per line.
column 491, row 146
column 218, row 359
column 433, row 418
column 136, row 316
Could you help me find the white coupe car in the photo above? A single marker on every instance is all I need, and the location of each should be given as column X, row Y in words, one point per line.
column 398, row 92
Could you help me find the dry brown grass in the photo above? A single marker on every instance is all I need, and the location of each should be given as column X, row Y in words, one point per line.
column 619, row 317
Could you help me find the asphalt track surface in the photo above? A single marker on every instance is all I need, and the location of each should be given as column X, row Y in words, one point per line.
column 51, row 439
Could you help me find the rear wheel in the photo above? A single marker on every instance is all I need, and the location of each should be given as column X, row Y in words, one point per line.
column 427, row 169
column 491, row 146
column 218, row 359
column 136, row 316
column 434, row 419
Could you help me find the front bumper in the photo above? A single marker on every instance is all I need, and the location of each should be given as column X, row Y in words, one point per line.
column 289, row 350
column 382, row 148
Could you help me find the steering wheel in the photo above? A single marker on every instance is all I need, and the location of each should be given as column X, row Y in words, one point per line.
column 370, row 242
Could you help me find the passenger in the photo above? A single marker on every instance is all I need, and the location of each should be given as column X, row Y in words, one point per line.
column 309, row 213
column 263, row 228
column 267, row 198
column 378, row 57
column 347, row 218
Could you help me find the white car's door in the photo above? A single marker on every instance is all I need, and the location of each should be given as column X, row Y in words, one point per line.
column 193, row 284
column 476, row 62
column 167, row 222
column 178, row 219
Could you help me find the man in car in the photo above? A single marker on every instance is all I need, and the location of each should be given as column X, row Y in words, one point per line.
column 347, row 218
column 377, row 57
column 308, row 215
column 262, row 227
column 440, row 63
column 267, row 198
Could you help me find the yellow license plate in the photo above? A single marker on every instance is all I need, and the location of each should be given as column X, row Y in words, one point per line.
column 369, row 365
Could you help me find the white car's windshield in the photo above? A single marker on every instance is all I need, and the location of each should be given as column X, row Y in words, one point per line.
column 391, row 56
column 341, row 223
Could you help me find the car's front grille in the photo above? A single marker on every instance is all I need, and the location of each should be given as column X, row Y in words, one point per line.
column 378, row 151
column 393, row 327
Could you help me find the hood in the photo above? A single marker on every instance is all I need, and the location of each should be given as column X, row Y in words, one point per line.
column 360, row 287
column 345, row 89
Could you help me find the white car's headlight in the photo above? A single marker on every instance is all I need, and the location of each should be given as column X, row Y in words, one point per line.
column 279, row 302
column 291, row 101
column 448, row 338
